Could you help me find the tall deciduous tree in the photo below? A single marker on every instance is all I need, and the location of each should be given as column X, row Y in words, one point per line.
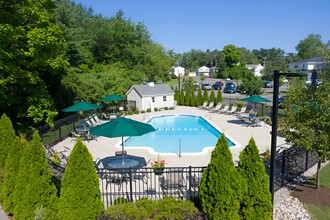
column 307, row 123
column 257, row 199
column 221, row 190
column 231, row 54
column 31, row 49
column 251, row 85
column 311, row 46
column 80, row 193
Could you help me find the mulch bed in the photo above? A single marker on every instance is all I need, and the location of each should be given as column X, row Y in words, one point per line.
column 307, row 193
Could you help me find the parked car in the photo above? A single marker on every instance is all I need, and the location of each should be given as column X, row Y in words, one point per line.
column 206, row 86
column 216, row 86
column 268, row 84
column 219, row 82
column 230, row 88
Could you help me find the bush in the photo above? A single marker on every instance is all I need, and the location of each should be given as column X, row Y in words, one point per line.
column 166, row 108
column 148, row 110
column 143, row 111
column 171, row 108
column 167, row 208
column 136, row 111
column 130, row 112
column 120, row 200
column 156, row 109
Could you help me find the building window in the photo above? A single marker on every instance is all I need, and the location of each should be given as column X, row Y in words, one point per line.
column 164, row 98
column 153, row 99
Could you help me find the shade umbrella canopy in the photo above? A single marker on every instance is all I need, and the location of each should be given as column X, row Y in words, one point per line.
column 255, row 98
column 121, row 127
column 113, row 97
column 82, row 106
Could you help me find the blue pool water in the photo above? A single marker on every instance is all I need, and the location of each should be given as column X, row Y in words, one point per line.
column 192, row 133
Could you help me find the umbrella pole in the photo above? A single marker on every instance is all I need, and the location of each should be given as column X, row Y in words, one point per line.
column 122, row 149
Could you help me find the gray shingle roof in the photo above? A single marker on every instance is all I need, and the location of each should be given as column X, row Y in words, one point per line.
column 156, row 90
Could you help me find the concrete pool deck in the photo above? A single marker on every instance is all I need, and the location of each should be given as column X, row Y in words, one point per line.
column 228, row 124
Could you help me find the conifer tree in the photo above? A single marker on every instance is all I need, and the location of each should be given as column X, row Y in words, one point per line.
column 40, row 191
column 257, row 200
column 199, row 100
column 219, row 96
column 220, row 189
column 181, row 98
column 176, row 95
column 7, row 136
column 205, row 96
column 212, row 97
column 80, row 193
column 193, row 99
column 187, row 98
column 12, row 168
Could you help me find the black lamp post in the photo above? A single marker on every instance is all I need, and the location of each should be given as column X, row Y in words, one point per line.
column 277, row 75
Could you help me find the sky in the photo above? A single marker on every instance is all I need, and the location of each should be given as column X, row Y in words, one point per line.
column 182, row 25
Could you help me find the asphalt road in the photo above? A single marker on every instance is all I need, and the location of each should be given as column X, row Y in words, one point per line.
column 268, row 92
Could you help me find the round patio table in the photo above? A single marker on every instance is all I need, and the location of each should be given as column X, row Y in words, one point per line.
column 118, row 162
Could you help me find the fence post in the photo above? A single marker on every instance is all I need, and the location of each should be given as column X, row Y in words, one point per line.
column 190, row 179
column 283, row 168
column 306, row 161
column 130, row 184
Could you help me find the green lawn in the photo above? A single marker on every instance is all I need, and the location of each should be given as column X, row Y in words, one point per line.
column 320, row 212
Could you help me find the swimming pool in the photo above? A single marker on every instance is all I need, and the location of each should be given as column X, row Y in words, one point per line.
column 178, row 133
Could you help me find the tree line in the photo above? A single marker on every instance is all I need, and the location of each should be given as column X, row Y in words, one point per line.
column 54, row 53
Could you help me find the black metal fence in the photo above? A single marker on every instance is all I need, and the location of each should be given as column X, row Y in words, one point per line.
column 132, row 185
column 262, row 108
column 61, row 130
column 290, row 164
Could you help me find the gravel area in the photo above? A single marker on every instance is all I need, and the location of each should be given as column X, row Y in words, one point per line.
column 287, row 207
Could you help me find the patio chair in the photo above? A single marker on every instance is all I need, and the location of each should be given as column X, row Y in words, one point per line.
column 233, row 110
column 216, row 108
column 224, row 109
column 96, row 118
column 194, row 181
column 173, row 180
column 74, row 135
column 203, row 106
column 140, row 174
column 106, row 117
column 243, row 110
column 209, row 106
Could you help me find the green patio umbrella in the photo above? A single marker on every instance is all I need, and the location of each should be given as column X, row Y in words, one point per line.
column 82, row 106
column 113, row 97
column 121, row 127
column 255, row 99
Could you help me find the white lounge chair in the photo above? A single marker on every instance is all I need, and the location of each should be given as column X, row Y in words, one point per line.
column 233, row 110
column 203, row 106
column 216, row 108
column 224, row 110
column 209, row 106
